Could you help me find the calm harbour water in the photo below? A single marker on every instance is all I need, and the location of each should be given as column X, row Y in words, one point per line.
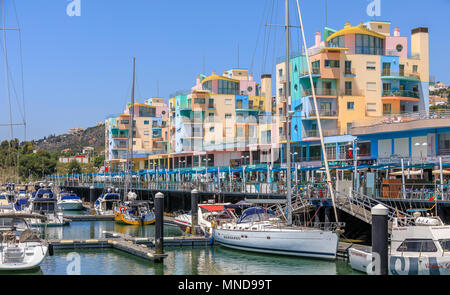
column 208, row 260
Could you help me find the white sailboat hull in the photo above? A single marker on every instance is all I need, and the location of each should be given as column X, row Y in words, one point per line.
column 315, row 244
column 33, row 254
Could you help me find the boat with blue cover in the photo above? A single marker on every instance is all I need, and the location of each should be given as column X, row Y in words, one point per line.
column 45, row 203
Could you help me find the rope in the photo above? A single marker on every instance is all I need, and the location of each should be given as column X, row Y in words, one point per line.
column 313, row 216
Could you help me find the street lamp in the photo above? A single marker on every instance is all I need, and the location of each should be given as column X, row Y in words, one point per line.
column 355, row 148
column 418, row 144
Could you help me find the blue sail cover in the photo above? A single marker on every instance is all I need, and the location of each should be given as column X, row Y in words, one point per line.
column 40, row 196
column 20, row 203
column 110, row 197
column 255, row 214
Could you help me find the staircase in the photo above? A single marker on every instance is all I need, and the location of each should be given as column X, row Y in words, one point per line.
column 13, row 254
column 359, row 206
column 298, row 204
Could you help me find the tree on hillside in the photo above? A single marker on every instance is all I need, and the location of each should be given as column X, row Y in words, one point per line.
column 74, row 167
column 99, row 161
column 37, row 164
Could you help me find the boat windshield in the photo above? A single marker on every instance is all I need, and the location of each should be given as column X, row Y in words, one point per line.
column 9, row 223
column 44, row 206
column 417, row 245
column 255, row 214
column 70, row 197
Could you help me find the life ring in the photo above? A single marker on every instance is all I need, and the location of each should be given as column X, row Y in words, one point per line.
column 122, row 209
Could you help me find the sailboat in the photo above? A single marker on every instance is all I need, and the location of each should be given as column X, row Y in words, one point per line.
column 20, row 247
column 133, row 212
column 259, row 230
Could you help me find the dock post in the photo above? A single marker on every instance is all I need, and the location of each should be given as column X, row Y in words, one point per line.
column 91, row 196
column 194, row 210
column 159, row 225
column 380, row 240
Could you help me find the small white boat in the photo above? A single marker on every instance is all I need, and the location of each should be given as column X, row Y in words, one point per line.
column 107, row 204
column 259, row 230
column 420, row 249
column 69, row 201
column 20, row 247
column 220, row 212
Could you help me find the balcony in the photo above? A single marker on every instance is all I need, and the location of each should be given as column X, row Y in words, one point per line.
column 324, row 114
column 399, row 75
column 324, row 92
column 352, row 92
column 315, row 133
column 401, row 95
column 315, row 72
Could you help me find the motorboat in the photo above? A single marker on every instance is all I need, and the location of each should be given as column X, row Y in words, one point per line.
column 9, row 195
column 218, row 212
column 69, row 201
column 135, row 213
column 20, row 247
column 259, row 230
column 107, row 204
column 419, row 249
column 45, row 203
column 5, row 205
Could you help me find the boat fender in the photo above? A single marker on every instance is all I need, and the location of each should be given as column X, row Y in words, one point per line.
column 188, row 230
column 211, row 240
column 50, row 250
column 213, row 224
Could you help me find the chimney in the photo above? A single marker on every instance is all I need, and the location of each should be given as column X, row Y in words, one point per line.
column 318, row 39
column 397, row 32
column 347, row 25
column 250, row 77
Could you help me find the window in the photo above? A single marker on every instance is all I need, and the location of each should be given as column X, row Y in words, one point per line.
column 444, row 143
column 372, row 86
column 228, row 116
column 146, row 122
column 211, row 117
column 228, row 101
column 417, row 245
column 211, row 129
column 349, row 127
column 372, row 107
column 348, row 67
column 228, row 87
column 350, row 105
column 331, row 63
column 124, row 122
column 207, row 85
column 445, row 244
column 371, row 65
column 199, row 100
column 280, row 91
column 331, row 151
column 280, row 72
column 348, row 88
column 211, row 103
column 366, row 44
column 415, row 68
column 415, row 108
column 337, row 42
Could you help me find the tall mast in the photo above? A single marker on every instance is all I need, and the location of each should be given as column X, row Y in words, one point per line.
column 130, row 145
column 319, row 125
column 288, row 135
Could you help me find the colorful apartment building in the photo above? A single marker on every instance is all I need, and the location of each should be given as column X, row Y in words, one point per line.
column 150, row 134
column 360, row 73
column 223, row 121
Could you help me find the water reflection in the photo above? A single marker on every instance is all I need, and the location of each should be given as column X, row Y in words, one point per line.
column 95, row 229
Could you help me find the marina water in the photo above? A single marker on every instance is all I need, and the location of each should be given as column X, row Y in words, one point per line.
column 215, row 260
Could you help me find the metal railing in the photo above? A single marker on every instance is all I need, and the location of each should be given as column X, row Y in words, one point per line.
column 401, row 93
column 320, row 91
column 324, row 112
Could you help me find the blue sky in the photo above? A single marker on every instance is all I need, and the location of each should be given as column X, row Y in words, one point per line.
column 77, row 70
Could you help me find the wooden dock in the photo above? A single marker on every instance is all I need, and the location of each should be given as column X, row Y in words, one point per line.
column 90, row 217
column 127, row 246
column 168, row 241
